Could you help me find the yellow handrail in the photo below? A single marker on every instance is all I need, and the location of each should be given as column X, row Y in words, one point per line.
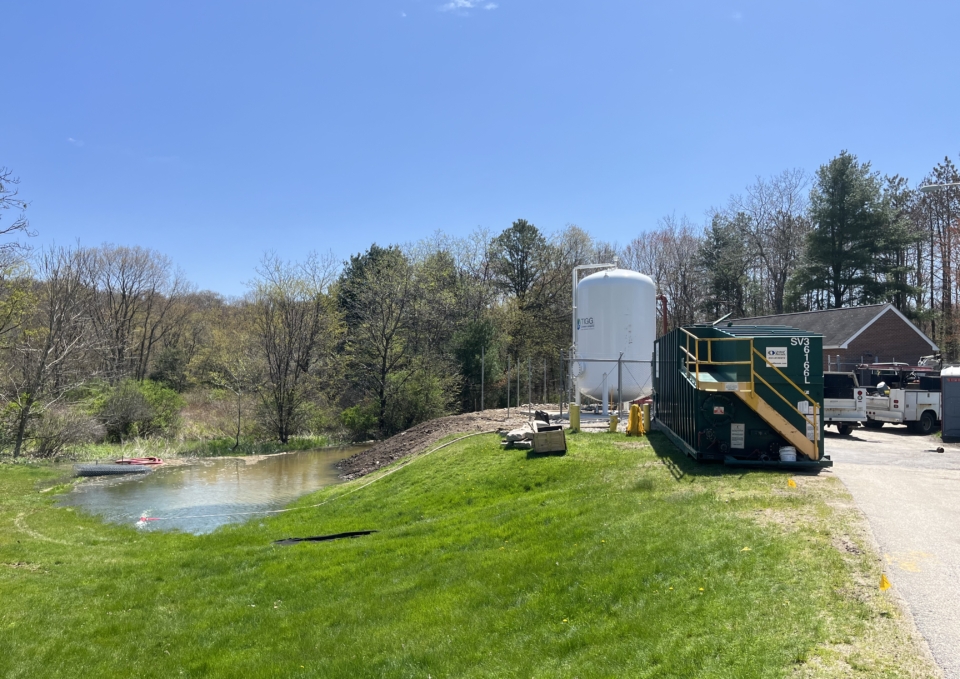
column 695, row 355
column 780, row 372
column 792, row 407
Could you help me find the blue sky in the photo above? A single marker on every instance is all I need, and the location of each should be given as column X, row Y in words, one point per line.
column 215, row 131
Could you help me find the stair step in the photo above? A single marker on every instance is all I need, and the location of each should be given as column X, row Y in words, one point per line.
column 797, row 438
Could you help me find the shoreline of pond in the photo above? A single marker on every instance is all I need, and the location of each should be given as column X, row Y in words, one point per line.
column 172, row 453
column 198, row 495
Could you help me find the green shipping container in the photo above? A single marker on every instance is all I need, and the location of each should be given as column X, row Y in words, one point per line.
column 746, row 395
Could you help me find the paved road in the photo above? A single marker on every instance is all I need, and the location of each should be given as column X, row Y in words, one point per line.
column 911, row 496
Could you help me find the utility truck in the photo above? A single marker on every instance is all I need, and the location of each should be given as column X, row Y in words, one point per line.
column 902, row 394
column 844, row 401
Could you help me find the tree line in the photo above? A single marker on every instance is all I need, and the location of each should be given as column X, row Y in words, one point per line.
column 112, row 342
column 844, row 236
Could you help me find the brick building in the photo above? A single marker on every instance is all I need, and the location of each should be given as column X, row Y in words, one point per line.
column 853, row 335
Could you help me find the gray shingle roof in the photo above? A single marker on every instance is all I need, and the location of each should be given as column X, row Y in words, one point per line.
column 836, row 325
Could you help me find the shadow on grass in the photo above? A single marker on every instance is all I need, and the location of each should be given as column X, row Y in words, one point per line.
column 680, row 465
column 536, row 456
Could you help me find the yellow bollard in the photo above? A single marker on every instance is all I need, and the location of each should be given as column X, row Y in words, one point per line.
column 633, row 421
column 574, row 418
column 646, row 418
column 614, row 421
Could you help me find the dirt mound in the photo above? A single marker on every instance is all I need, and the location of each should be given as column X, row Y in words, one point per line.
column 419, row 438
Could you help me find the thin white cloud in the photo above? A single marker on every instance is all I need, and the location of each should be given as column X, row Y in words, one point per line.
column 737, row 16
column 455, row 5
column 75, row 142
column 403, row 14
column 461, row 6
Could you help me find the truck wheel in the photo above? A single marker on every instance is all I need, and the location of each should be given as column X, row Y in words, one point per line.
column 873, row 424
column 844, row 429
column 926, row 424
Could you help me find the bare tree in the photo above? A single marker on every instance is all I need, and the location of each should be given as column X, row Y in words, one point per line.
column 238, row 374
column 939, row 211
column 647, row 254
column 295, row 328
column 668, row 255
column 134, row 306
column 10, row 200
column 776, row 210
column 43, row 363
column 14, row 270
column 475, row 273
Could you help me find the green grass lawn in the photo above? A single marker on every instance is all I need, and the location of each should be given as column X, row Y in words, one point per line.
column 619, row 559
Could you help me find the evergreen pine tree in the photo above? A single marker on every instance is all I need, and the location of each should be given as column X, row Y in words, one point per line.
column 852, row 231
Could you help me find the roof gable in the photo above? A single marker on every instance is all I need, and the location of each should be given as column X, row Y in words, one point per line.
column 838, row 326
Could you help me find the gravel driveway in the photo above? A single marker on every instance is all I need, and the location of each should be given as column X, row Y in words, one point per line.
column 911, row 496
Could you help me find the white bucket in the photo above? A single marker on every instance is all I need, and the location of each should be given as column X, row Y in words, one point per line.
column 788, row 454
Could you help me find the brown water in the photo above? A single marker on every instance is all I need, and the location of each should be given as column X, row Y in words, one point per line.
column 200, row 496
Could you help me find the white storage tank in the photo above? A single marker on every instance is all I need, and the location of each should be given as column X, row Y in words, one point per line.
column 616, row 313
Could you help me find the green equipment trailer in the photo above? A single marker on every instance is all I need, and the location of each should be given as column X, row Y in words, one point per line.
column 749, row 396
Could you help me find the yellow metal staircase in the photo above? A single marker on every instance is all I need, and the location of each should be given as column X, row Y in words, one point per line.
column 796, row 438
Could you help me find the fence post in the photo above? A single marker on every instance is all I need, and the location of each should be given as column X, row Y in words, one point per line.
column 508, row 386
column 619, row 385
column 529, row 388
column 605, row 391
column 483, row 366
column 563, row 383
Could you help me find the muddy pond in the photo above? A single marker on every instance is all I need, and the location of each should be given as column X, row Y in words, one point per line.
column 198, row 496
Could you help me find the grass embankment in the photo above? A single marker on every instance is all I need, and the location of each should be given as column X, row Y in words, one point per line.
column 610, row 561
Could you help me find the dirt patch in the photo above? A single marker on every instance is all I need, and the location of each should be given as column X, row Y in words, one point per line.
column 634, row 445
column 419, row 438
column 787, row 521
column 842, row 543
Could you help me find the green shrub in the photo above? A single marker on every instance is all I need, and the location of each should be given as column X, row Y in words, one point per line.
column 60, row 428
column 421, row 395
column 318, row 418
column 134, row 408
column 360, row 421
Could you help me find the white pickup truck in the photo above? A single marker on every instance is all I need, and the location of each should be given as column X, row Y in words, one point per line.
column 910, row 396
column 844, row 401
